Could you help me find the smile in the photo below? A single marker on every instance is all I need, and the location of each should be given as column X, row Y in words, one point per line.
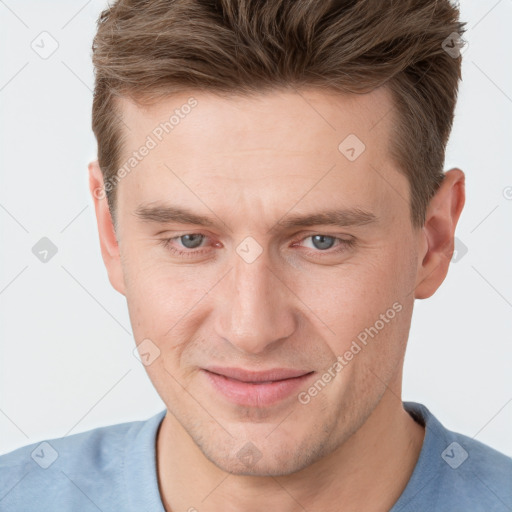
column 256, row 389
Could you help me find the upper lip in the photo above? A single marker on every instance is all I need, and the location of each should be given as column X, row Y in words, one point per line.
column 254, row 376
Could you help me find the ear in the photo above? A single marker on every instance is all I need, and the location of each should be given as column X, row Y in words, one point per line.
column 437, row 234
column 108, row 240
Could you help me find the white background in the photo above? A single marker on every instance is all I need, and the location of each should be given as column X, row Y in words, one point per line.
column 66, row 345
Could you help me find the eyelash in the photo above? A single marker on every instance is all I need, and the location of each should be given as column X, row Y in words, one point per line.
column 342, row 246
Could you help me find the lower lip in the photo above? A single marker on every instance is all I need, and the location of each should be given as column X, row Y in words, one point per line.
column 256, row 395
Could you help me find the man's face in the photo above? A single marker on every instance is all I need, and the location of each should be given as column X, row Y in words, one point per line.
column 253, row 291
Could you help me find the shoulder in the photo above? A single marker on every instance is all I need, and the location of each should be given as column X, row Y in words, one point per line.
column 74, row 469
column 457, row 472
column 478, row 472
column 86, row 449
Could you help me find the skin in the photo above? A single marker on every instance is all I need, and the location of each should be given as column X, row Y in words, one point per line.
column 248, row 162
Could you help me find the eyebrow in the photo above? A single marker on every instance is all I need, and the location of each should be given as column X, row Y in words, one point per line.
column 339, row 218
column 167, row 214
column 178, row 215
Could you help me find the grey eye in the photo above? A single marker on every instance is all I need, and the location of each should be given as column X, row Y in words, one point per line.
column 191, row 241
column 323, row 241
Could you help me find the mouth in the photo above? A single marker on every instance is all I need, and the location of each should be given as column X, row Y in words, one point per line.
column 256, row 389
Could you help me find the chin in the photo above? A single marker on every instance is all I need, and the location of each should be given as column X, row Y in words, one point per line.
column 265, row 457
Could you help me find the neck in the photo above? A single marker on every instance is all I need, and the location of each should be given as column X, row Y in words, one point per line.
column 383, row 452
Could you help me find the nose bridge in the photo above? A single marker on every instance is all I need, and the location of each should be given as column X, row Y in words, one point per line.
column 255, row 310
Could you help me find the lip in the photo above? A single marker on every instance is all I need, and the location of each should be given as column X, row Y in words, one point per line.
column 257, row 389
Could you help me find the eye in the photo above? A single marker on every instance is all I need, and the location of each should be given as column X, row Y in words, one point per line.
column 322, row 243
column 189, row 241
column 190, row 244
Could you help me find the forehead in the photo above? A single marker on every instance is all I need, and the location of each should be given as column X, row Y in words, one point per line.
column 280, row 119
column 274, row 145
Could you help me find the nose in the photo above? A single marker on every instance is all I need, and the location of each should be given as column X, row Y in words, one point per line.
column 255, row 310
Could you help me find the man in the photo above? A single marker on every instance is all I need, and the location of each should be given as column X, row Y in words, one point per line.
column 270, row 199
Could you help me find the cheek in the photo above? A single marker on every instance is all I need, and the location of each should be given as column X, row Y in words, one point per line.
column 169, row 302
column 361, row 304
column 166, row 302
column 352, row 294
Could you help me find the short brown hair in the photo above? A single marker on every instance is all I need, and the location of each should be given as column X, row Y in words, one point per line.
column 147, row 49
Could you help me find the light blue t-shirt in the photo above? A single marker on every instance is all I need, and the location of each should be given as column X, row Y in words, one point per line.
column 114, row 469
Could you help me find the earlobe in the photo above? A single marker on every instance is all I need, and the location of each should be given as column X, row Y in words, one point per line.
column 442, row 215
column 107, row 235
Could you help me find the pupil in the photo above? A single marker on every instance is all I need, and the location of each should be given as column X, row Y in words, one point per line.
column 191, row 241
column 319, row 241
